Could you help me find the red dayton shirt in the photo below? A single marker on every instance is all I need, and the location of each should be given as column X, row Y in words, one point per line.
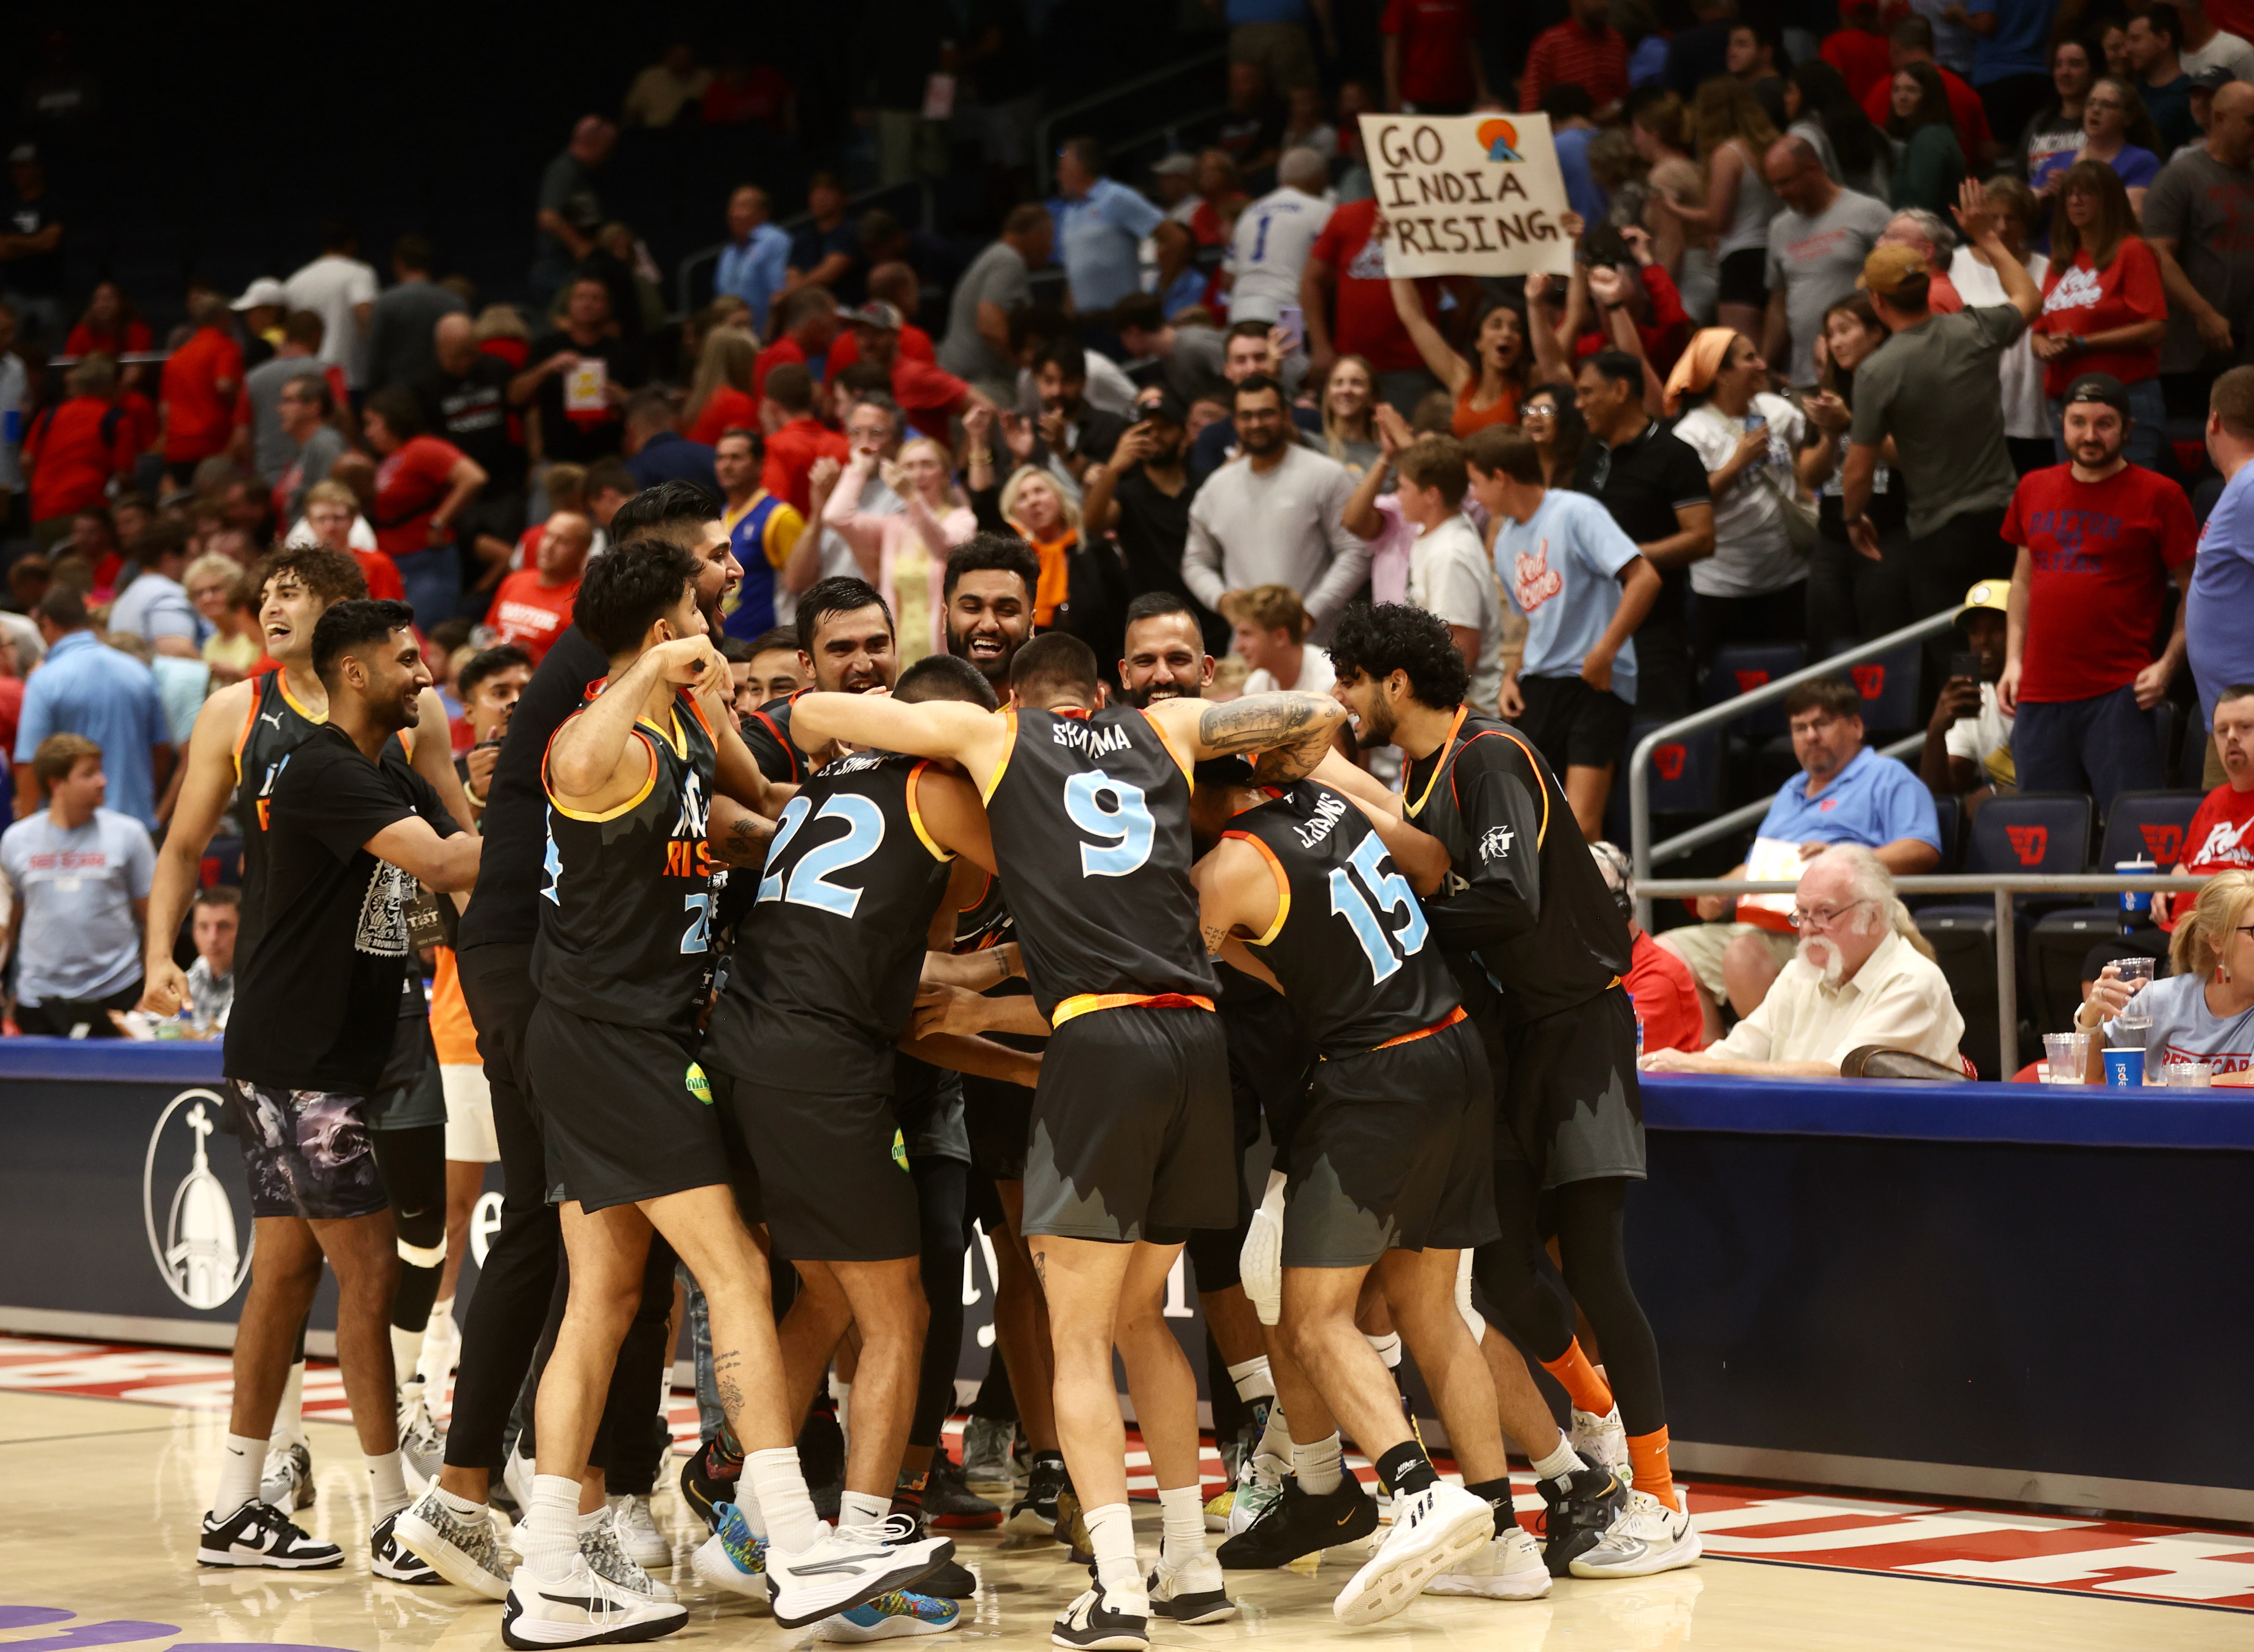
column 74, row 449
column 198, row 389
column 2102, row 553
column 1567, row 52
column 1363, row 320
column 2219, row 839
column 1666, row 997
column 1437, row 43
column 410, row 484
column 532, row 615
column 2082, row 299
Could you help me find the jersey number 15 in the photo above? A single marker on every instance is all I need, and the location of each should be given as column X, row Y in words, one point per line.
column 1387, row 890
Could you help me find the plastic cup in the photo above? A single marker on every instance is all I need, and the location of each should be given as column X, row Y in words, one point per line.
column 2136, row 904
column 2190, row 1074
column 2136, row 974
column 2070, row 1057
column 2125, row 1067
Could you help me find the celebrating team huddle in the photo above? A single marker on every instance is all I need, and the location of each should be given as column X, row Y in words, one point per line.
column 749, row 1001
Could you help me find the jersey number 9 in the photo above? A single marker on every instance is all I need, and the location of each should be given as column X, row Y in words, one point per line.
column 1113, row 812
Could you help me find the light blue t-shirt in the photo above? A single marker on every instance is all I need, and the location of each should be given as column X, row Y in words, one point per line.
column 78, row 937
column 754, row 271
column 1560, row 568
column 1097, row 237
column 2216, row 627
column 1872, row 801
column 111, row 698
column 1581, row 187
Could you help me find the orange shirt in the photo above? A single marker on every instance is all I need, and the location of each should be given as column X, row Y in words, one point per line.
column 198, row 389
column 1503, row 410
column 451, row 1029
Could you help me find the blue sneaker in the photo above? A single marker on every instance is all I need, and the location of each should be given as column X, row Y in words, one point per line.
column 731, row 1558
column 888, row 1615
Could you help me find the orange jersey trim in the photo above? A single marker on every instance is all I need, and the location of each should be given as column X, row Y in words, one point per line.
column 1283, row 888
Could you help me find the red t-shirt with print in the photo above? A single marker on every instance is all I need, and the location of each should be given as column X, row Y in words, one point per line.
column 410, row 484
column 198, row 389
column 532, row 615
column 2082, row 299
column 791, row 453
column 2103, row 554
column 1363, row 323
column 2219, row 839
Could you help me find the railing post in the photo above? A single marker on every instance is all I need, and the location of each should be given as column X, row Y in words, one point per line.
column 2008, row 987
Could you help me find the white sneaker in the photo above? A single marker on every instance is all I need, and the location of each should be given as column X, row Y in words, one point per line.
column 1648, row 1536
column 421, row 1442
column 731, row 1558
column 1509, row 1568
column 607, row 1558
column 465, row 1550
column 1258, row 1484
column 836, row 1574
column 286, row 1482
column 441, row 1350
column 638, row 1532
column 516, row 1474
column 582, row 1610
column 1193, row 1593
column 1434, row 1530
column 1600, row 1441
column 1099, row 1620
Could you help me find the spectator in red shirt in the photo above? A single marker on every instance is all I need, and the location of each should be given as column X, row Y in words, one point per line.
column 1431, row 57
column 806, row 327
column 2221, row 836
column 422, row 484
column 750, row 94
column 795, row 438
column 894, row 284
column 928, row 394
column 2104, row 309
column 1911, row 41
column 111, row 326
column 196, row 396
column 1348, row 305
column 1859, row 49
column 332, row 508
column 1584, row 50
column 1664, row 990
column 73, row 448
column 533, row 606
column 720, row 395
column 2099, row 538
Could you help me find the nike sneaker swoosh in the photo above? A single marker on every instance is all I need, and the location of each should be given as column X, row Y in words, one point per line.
column 584, row 1602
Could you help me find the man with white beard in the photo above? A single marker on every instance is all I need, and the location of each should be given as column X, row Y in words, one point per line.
column 1861, row 974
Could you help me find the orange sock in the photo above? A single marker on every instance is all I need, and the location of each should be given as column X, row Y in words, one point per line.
column 1647, row 1456
column 1580, row 1379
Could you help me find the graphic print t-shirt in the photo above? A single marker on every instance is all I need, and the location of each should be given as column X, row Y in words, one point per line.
column 315, row 1005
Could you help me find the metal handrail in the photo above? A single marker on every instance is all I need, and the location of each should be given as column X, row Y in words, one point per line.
column 2002, row 886
column 1638, row 763
column 1044, row 152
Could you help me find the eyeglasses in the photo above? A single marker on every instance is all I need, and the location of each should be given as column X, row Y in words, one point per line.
column 1539, row 411
column 1822, row 920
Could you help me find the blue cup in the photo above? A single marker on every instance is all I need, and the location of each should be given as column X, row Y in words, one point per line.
column 2124, row 1068
column 2137, row 905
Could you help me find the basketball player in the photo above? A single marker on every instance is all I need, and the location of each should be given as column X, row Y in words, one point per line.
column 243, row 737
column 1540, row 952
column 351, row 829
column 845, row 645
column 802, row 1050
column 1130, row 1148
column 1388, row 1169
column 621, row 966
column 504, row 1330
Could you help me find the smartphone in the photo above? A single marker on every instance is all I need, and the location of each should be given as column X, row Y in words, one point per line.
column 1293, row 321
column 1966, row 665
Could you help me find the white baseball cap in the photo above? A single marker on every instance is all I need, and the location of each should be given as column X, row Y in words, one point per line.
column 264, row 290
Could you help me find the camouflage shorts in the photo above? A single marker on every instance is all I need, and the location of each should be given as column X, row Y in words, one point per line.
column 307, row 1152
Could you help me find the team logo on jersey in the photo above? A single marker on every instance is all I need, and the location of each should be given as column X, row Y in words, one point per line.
column 1496, row 843
column 699, row 1085
column 382, row 932
column 199, row 1247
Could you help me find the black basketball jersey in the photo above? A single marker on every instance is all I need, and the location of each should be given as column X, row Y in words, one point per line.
column 1090, row 814
column 625, row 919
column 1524, row 912
column 825, row 978
column 1350, row 944
column 766, row 731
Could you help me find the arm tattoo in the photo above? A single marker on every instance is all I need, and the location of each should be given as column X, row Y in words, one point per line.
column 1289, row 730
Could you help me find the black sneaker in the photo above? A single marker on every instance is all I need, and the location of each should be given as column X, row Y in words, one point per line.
column 393, row 1560
column 951, row 1581
column 708, row 1478
column 1299, row 1523
column 1582, row 1507
column 950, row 1504
column 1034, row 1515
column 258, row 1534
column 1091, row 1624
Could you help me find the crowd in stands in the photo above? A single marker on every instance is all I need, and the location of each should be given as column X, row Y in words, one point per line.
column 1915, row 309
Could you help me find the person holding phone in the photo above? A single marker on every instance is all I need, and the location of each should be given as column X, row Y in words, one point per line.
column 1968, row 744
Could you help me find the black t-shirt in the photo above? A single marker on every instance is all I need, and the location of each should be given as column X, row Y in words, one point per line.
column 1641, row 482
column 40, row 274
column 812, row 244
column 582, row 438
column 316, row 1004
column 1153, row 526
column 471, row 412
column 506, row 908
column 1248, row 134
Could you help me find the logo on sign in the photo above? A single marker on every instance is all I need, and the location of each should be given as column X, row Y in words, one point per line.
column 1749, row 681
column 2162, row 843
column 2028, row 842
column 1500, row 140
column 1870, row 681
column 202, row 1253
column 1669, row 759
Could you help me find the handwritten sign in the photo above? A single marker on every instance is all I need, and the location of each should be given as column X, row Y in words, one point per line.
column 1468, row 194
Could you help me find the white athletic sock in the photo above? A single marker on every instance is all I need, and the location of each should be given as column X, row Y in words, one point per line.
column 1184, row 1537
column 593, row 1519
column 1388, row 1346
column 549, row 1537
column 440, row 1338
column 1252, row 1380
column 1561, row 1461
column 1276, row 1438
column 387, row 1484
column 780, row 1483
column 239, row 1465
column 747, row 1504
column 290, row 1415
column 462, row 1506
column 1318, row 1466
column 863, row 1514
column 1111, row 1536
column 406, row 1354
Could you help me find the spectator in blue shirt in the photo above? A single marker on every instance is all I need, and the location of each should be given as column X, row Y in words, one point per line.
column 2220, row 641
column 1846, row 793
column 84, row 688
column 656, row 452
column 756, row 262
column 1100, row 225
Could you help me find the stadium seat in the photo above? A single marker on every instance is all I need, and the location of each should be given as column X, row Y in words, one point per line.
column 2147, row 824
column 1963, row 942
column 2043, row 832
column 1738, row 668
column 2190, row 757
column 1888, row 686
column 1949, row 815
column 1686, row 774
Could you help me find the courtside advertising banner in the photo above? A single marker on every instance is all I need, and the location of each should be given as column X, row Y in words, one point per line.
column 1468, row 194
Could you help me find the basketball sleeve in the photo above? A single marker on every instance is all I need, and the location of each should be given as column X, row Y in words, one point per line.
column 1494, row 895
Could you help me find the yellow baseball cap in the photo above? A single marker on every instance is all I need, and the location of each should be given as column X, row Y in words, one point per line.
column 1889, row 268
column 1988, row 593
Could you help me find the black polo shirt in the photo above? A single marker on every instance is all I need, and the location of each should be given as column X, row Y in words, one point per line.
column 1642, row 483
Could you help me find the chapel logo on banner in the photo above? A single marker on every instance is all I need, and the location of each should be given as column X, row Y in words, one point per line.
column 201, row 1249
column 1468, row 195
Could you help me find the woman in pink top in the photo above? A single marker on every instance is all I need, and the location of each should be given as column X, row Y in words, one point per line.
column 904, row 555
